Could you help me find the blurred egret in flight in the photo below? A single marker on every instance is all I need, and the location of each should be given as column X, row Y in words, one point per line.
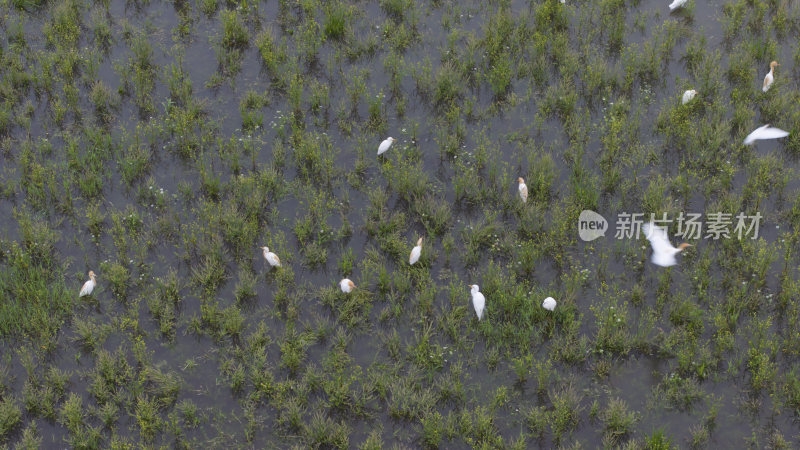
column 676, row 4
column 663, row 251
column 765, row 132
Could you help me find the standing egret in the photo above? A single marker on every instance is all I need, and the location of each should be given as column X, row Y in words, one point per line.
column 271, row 258
column 663, row 251
column 415, row 253
column 677, row 4
column 523, row 190
column 347, row 285
column 765, row 132
column 88, row 287
column 549, row 303
column 688, row 96
column 770, row 76
column 478, row 300
column 385, row 145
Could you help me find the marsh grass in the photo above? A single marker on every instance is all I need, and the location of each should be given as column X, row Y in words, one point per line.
column 35, row 297
column 337, row 20
column 10, row 416
column 168, row 199
column 564, row 415
column 618, row 420
column 139, row 73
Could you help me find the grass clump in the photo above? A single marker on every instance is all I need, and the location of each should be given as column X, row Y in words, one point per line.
column 322, row 431
column 397, row 8
column 10, row 416
column 34, row 300
column 618, row 420
column 234, row 33
column 337, row 19
column 565, row 413
column 448, row 85
column 65, row 28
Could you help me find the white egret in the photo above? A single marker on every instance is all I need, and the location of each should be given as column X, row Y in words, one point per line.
column 478, row 300
column 523, row 190
column 88, row 287
column 549, row 303
column 663, row 251
column 688, row 96
column 271, row 258
column 385, row 145
column 415, row 253
column 770, row 76
column 765, row 132
column 347, row 285
column 677, row 4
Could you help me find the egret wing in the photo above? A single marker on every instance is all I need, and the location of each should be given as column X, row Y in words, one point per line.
column 765, row 132
column 663, row 251
column 771, row 133
column 658, row 237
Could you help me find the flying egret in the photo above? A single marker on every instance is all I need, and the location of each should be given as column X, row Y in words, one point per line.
column 385, row 145
column 770, row 76
column 523, row 190
column 415, row 253
column 765, row 132
column 271, row 258
column 88, row 287
column 663, row 251
column 677, row 4
column 478, row 300
column 688, row 96
column 347, row 285
column 549, row 303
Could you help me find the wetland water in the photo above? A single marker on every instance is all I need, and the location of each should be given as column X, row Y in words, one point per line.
column 161, row 144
